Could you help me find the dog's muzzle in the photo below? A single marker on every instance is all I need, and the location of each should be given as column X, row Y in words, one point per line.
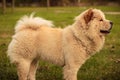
column 107, row 31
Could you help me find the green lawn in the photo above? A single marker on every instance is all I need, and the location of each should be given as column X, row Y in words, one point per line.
column 103, row 66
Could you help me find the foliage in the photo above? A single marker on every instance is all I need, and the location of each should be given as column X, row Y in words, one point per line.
column 56, row 2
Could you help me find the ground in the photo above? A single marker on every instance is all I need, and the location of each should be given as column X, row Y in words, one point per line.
column 105, row 65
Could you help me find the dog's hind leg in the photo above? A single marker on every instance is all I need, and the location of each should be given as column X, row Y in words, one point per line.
column 23, row 69
column 32, row 70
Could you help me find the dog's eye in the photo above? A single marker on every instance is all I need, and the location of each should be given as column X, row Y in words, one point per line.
column 101, row 19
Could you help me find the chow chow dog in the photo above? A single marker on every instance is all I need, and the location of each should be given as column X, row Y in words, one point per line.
column 70, row 47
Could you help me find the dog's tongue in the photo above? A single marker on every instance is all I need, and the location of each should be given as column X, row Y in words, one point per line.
column 104, row 31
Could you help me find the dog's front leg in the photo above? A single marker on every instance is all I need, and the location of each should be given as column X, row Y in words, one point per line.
column 70, row 72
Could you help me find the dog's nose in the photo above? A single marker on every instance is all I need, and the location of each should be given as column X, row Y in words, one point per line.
column 111, row 23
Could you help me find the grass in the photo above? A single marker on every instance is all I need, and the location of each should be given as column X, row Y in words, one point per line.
column 105, row 65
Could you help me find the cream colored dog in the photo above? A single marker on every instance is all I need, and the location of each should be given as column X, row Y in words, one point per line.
column 70, row 47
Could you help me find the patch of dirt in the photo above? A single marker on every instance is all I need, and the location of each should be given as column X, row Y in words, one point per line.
column 5, row 35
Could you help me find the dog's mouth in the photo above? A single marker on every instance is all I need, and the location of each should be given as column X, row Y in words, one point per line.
column 105, row 31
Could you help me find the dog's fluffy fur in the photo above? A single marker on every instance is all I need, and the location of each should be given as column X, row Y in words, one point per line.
column 70, row 47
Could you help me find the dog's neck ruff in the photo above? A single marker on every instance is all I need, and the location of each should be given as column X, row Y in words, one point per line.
column 79, row 41
column 88, row 49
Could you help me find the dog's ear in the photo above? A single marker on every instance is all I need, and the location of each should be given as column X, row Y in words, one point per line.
column 88, row 15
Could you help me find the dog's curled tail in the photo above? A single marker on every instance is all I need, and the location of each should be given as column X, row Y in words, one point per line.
column 31, row 22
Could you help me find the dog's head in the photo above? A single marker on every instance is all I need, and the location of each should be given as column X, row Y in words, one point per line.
column 94, row 21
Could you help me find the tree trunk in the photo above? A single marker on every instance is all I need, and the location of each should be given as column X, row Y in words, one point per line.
column 13, row 5
column 4, row 6
column 48, row 3
column 78, row 2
